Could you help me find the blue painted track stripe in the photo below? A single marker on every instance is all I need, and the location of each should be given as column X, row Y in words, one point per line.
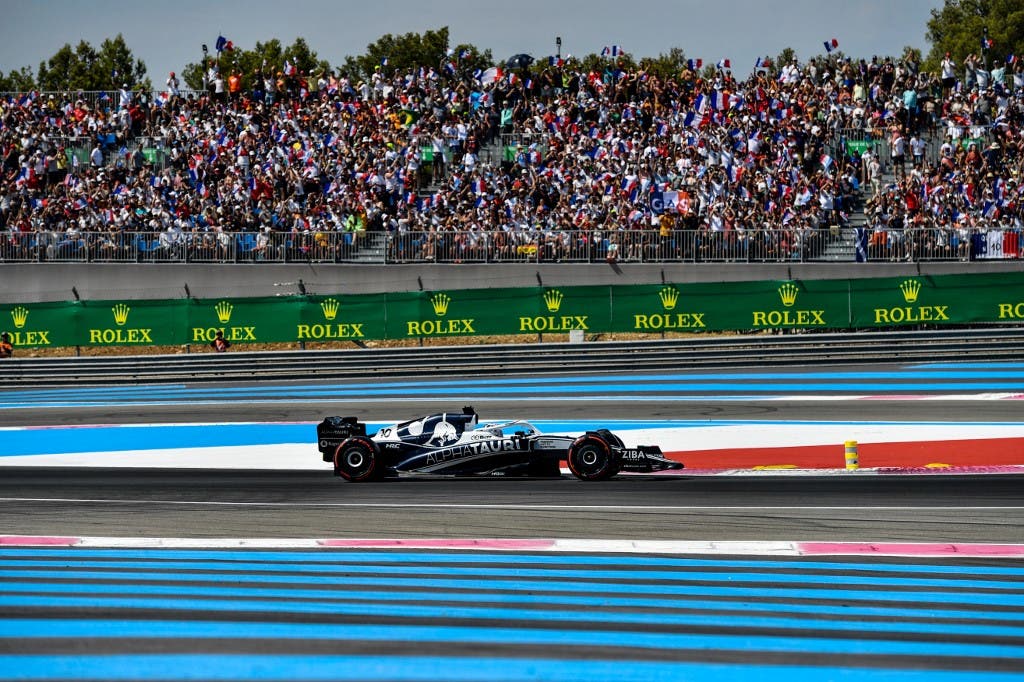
column 22, row 628
column 254, row 667
column 976, row 598
column 506, row 614
column 724, row 385
column 950, row 371
column 929, row 372
column 346, row 556
column 663, row 602
column 567, row 574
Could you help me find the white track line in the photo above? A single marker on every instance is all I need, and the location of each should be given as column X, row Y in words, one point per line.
column 579, row 546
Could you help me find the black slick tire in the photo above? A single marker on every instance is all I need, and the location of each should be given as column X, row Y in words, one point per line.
column 590, row 458
column 356, row 460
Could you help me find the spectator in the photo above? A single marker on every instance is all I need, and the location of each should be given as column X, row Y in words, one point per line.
column 96, row 156
column 219, row 343
column 6, row 349
column 173, row 85
column 587, row 153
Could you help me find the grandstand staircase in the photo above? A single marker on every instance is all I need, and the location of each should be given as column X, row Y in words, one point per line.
column 372, row 249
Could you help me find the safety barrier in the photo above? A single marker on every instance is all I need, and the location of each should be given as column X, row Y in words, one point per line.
column 872, row 303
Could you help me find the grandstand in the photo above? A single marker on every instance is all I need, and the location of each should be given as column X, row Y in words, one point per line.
column 834, row 161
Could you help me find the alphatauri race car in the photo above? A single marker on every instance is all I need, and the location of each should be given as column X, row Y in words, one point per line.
column 453, row 444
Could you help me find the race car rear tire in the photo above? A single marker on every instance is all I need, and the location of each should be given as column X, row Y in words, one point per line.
column 356, row 459
column 590, row 458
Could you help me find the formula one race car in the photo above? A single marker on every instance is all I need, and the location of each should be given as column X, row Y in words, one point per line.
column 452, row 444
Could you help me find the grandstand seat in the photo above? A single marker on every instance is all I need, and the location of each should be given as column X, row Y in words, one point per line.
column 245, row 242
column 144, row 246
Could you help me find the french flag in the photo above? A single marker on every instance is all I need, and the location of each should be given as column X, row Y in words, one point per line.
column 479, row 186
column 862, row 245
column 724, row 64
column 223, row 44
column 161, row 99
column 691, row 120
column 1011, row 59
column 289, row 68
column 999, row 190
column 490, row 75
column 831, row 45
column 700, row 104
column 556, row 61
column 826, row 161
column 719, row 101
column 694, row 64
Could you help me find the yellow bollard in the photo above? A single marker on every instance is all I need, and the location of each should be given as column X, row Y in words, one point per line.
column 852, row 464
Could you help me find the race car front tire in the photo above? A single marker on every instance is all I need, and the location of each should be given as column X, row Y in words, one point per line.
column 590, row 458
column 356, row 459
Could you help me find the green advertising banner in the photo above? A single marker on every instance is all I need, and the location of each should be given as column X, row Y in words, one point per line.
column 497, row 311
column 243, row 320
column 41, row 325
column 131, row 323
column 341, row 318
column 892, row 302
column 730, row 306
column 676, row 307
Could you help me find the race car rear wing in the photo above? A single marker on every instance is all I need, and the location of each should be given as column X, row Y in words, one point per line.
column 333, row 430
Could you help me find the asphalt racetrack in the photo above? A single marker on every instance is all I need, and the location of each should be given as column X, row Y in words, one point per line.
column 165, row 568
column 303, row 503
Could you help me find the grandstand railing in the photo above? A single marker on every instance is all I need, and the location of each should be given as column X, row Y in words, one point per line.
column 567, row 246
column 848, row 140
column 96, row 99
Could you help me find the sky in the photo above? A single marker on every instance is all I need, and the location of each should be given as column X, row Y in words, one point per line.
column 168, row 35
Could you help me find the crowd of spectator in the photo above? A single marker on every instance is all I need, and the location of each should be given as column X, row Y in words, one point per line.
column 619, row 158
